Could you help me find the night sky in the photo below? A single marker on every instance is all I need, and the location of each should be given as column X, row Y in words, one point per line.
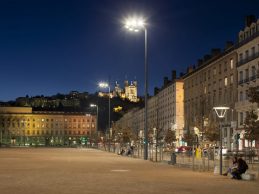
column 55, row 46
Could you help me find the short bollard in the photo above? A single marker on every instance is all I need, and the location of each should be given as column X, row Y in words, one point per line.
column 173, row 159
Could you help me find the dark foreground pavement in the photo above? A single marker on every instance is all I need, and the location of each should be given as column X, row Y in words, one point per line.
column 76, row 171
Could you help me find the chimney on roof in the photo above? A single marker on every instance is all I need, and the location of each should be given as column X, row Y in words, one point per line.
column 199, row 62
column 189, row 69
column 173, row 75
column 228, row 45
column 206, row 57
column 156, row 90
column 249, row 20
column 215, row 52
column 166, row 81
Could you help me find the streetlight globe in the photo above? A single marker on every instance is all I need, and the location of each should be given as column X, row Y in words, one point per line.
column 134, row 24
column 103, row 85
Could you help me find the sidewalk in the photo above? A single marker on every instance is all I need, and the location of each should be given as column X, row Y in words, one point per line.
column 87, row 171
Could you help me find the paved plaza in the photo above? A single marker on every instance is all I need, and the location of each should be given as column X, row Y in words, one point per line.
column 75, row 171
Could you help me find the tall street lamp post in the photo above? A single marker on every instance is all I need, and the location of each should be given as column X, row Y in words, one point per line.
column 220, row 111
column 135, row 25
column 106, row 85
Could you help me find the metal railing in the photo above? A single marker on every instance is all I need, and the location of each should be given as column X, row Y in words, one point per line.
column 248, row 59
column 204, row 161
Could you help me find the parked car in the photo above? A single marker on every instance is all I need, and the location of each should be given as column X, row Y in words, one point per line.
column 183, row 149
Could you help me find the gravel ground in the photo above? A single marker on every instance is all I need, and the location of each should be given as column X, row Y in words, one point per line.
column 71, row 170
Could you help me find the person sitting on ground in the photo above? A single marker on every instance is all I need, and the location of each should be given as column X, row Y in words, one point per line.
column 129, row 151
column 241, row 168
column 233, row 167
column 122, row 151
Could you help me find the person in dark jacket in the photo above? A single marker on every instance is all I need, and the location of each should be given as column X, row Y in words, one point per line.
column 233, row 167
column 241, row 168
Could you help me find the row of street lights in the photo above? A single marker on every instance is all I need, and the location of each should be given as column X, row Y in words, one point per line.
column 135, row 25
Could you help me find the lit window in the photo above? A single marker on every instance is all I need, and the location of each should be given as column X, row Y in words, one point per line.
column 226, row 81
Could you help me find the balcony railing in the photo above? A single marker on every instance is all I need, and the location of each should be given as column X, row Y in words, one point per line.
column 247, row 59
column 253, row 77
column 241, row 82
column 246, row 80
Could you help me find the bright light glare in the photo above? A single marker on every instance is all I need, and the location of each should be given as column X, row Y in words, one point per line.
column 103, row 85
column 134, row 24
column 221, row 111
column 93, row 105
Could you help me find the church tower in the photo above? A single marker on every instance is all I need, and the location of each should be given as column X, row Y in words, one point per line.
column 131, row 91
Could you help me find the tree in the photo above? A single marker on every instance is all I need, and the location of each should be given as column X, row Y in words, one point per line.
column 211, row 133
column 253, row 94
column 170, row 137
column 251, row 125
column 251, row 121
column 189, row 138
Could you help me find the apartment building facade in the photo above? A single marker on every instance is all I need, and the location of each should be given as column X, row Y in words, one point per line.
column 165, row 111
column 170, row 107
column 23, row 126
column 211, row 84
column 248, row 73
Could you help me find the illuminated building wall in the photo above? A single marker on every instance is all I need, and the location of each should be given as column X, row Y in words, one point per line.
column 248, row 73
column 165, row 112
column 212, row 83
column 22, row 126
